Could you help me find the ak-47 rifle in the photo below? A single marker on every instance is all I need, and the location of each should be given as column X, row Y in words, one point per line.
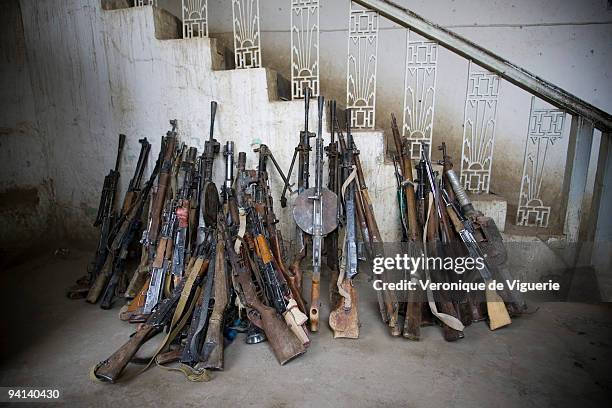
column 315, row 212
column 302, row 152
column 128, row 231
column 134, row 186
column 285, row 345
column 265, row 208
column 135, row 287
column 110, row 369
column 105, row 219
column 275, row 287
column 161, row 263
column 412, row 229
column 163, row 182
column 183, row 210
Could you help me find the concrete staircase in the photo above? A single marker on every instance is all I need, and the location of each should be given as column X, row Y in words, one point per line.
column 154, row 76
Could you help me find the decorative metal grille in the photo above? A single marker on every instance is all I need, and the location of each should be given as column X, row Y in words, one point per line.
column 361, row 67
column 247, row 38
column 480, row 116
column 195, row 18
column 545, row 128
column 419, row 94
column 140, row 3
column 304, row 47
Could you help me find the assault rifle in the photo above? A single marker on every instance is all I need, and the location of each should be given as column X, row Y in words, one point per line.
column 161, row 262
column 105, row 219
column 183, row 209
column 111, row 369
column 285, row 345
column 275, row 287
column 163, row 182
column 134, row 186
column 265, row 208
column 127, row 233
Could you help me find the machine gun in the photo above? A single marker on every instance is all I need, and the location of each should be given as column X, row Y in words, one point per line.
column 315, row 212
column 333, row 184
column 303, row 151
column 496, row 309
column 209, row 194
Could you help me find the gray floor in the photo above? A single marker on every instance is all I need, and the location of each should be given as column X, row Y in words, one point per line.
column 559, row 356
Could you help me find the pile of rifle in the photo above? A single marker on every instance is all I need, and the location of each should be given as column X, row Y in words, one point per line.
column 213, row 264
column 439, row 220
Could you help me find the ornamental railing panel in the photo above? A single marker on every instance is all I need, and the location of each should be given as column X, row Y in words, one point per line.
column 195, row 18
column 247, row 37
column 480, row 116
column 361, row 66
column 304, row 47
column 419, row 93
column 546, row 127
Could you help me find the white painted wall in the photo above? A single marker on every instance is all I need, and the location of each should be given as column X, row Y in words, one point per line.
column 93, row 74
column 565, row 42
column 25, row 188
column 109, row 74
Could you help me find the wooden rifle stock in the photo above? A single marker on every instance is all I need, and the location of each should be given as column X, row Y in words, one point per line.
column 212, row 350
column 285, row 345
column 111, row 368
column 414, row 305
column 445, row 305
column 162, row 188
column 100, row 283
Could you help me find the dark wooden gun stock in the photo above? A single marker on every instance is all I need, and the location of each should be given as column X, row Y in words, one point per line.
column 162, row 188
column 111, row 368
column 414, row 306
column 285, row 345
column 212, row 350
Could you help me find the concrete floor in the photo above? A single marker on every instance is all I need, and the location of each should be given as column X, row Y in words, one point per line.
column 556, row 357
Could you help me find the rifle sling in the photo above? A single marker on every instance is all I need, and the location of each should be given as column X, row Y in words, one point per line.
column 449, row 320
column 179, row 319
